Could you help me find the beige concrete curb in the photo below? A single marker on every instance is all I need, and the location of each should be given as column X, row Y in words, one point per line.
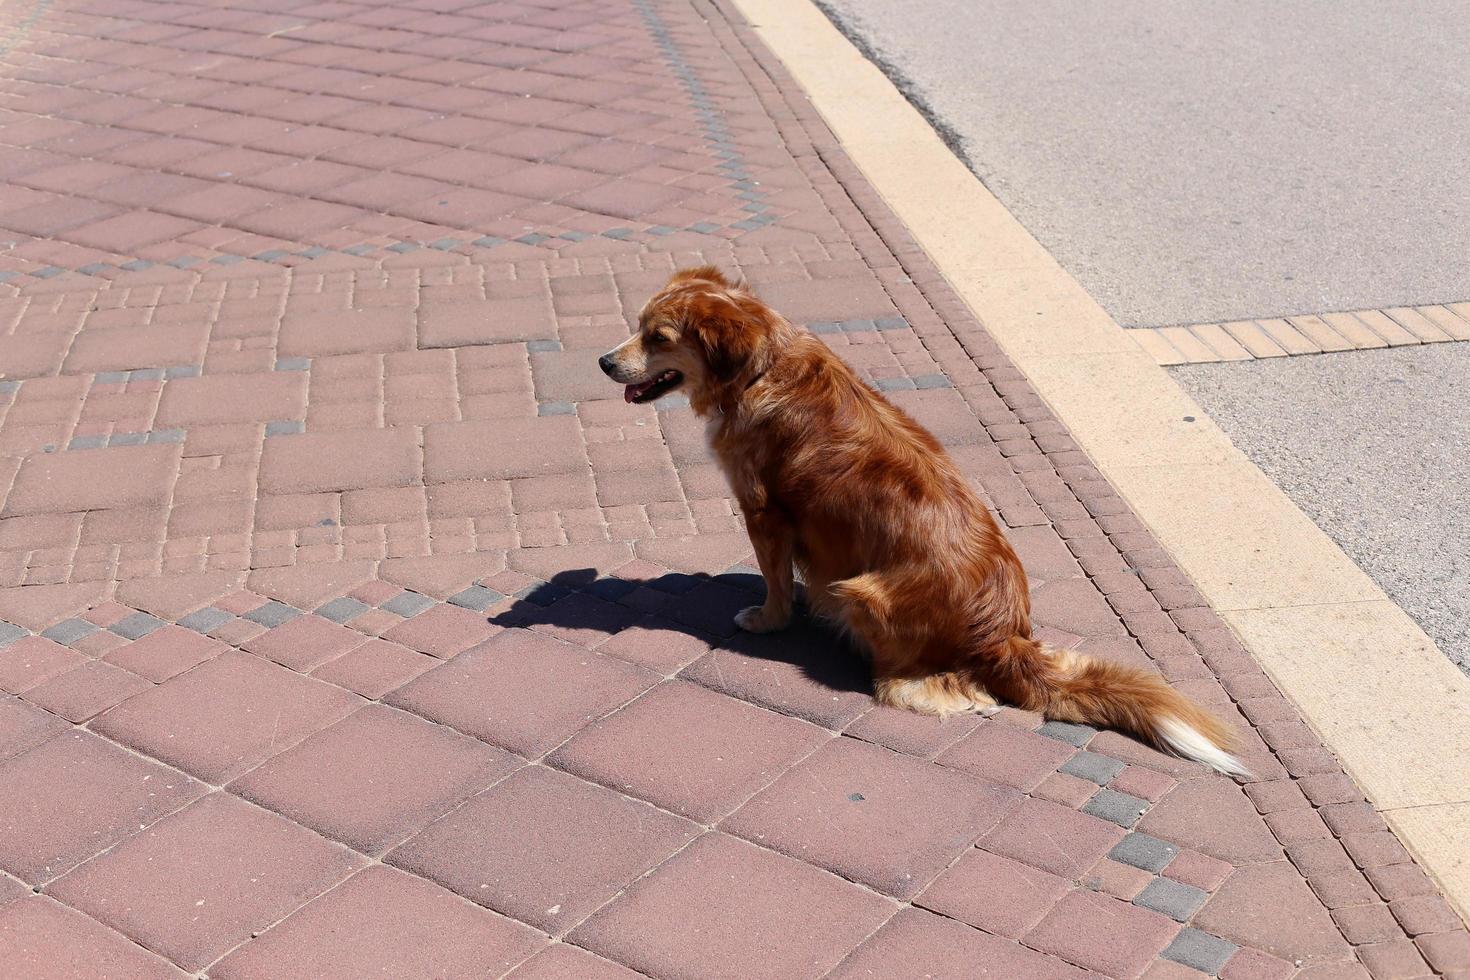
column 1371, row 683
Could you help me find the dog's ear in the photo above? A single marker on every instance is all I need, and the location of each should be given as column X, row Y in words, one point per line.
column 725, row 334
column 701, row 273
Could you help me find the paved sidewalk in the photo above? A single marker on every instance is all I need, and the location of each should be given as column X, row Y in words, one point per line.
column 351, row 623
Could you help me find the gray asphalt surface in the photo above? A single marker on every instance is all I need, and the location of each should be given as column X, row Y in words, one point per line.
column 1208, row 161
column 1211, row 161
column 1389, row 483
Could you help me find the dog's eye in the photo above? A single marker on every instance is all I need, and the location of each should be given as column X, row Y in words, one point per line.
column 661, row 338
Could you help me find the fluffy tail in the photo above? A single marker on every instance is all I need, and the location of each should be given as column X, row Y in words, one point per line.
column 1067, row 686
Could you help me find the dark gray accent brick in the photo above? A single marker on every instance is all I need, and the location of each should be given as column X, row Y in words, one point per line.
column 1120, row 808
column 273, row 614
column 69, row 631
column 1199, row 951
column 343, row 609
column 476, row 597
column 285, row 427
column 556, row 408
column 166, row 435
column 87, row 442
column 1089, row 765
column 206, row 619
column 1173, row 898
column 922, row 381
column 1064, row 731
column 543, row 593
column 137, row 625
column 1143, row 851
column 407, row 604
column 611, row 589
column 9, row 633
column 540, row 346
column 293, row 364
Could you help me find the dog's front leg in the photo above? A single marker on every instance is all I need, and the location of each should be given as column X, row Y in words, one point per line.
column 771, row 537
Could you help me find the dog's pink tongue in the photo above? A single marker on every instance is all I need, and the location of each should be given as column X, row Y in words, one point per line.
column 631, row 392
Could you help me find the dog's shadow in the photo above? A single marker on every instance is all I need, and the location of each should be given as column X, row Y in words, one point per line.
column 698, row 605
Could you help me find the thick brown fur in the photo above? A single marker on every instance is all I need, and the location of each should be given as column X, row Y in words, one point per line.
column 891, row 541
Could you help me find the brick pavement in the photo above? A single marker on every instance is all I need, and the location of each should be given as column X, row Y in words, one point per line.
column 352, row 623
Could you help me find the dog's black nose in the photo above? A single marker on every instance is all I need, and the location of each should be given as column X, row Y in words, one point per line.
column 606, row 363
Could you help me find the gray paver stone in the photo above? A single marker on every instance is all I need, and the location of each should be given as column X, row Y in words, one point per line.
column 1173, row 898
column 1199, row 951
column 137, row 625
column 69, row 631
column 1090, row 765
column 1143, row 851
column 1120, row 808
column 206, row 619
column 343, row 609
column 273, row 614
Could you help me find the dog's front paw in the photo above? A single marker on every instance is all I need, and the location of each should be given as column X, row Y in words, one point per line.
column 755, row 619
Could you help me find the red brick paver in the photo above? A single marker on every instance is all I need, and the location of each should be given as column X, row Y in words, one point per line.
column 351, row 623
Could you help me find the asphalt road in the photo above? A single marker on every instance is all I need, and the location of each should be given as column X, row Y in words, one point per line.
column 1207, row 161
column 1389, row 483
column 1202, row 162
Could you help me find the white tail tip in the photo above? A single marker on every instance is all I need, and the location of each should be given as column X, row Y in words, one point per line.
column 1190, row 743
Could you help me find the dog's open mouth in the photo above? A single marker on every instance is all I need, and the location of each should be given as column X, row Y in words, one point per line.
column 647, row 391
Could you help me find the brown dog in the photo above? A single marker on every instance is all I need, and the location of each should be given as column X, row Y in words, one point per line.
column 891, row 542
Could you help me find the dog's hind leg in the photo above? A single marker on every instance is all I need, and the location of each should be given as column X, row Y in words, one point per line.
column 938, row 694
column 898, row 669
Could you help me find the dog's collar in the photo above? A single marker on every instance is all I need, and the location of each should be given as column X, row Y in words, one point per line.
column 721, row 405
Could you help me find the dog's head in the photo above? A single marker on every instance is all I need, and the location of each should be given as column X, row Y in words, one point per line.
column 701, row 334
